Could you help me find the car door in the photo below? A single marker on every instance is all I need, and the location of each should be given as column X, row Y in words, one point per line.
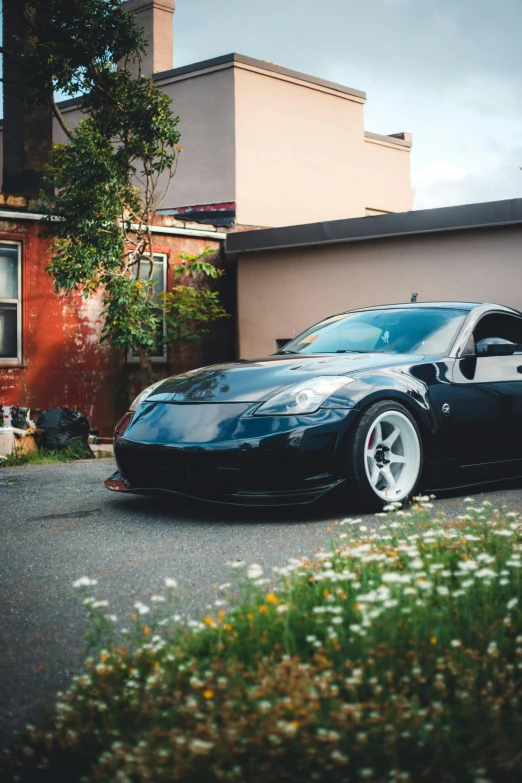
column 488, row 400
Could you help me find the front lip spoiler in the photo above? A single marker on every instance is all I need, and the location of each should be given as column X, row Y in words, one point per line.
column 116, row 483
column 300, row 497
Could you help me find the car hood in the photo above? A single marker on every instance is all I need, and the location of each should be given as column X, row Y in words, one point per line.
column 255, row 380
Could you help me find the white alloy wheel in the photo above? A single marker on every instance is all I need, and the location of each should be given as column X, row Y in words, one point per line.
column 392, row 456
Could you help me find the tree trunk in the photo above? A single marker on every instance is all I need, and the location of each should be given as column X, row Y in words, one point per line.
column 120, row 386
column 145, row 366
column 28, row 134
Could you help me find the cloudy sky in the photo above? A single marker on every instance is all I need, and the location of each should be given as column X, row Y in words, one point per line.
column 449, row 71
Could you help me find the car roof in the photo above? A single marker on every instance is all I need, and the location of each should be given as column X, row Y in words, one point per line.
column 467, row 306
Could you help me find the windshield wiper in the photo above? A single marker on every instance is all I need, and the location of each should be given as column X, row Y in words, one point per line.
column 287, row 352
column 351, row 350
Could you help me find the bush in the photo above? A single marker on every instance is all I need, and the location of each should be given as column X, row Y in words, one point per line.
column 396, row 656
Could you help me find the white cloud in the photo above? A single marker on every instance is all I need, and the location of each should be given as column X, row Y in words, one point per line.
column 436, row 173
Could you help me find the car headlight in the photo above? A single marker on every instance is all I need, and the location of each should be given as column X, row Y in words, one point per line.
column 144, row 394
column 305, row 397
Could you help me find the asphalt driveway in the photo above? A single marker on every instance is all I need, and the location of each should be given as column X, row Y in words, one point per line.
column 58, row 523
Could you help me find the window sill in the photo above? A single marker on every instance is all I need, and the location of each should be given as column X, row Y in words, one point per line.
column 12, row 364
column 135, row 362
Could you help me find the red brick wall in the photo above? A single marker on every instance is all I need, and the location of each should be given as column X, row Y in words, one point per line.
column 64, row 363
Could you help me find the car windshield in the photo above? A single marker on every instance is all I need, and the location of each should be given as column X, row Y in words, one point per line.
column 426, row 330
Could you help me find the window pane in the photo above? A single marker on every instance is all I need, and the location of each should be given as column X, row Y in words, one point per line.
column 8, row 272
column 157, row 276
column 159, row 351
column 8, row 341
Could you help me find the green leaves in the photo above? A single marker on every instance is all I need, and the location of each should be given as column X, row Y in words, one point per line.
column 131, row 318
column 73, row 41
column 105, row 184
column 191, row 305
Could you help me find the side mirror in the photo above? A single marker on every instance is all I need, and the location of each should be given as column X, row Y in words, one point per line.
column 500, row 349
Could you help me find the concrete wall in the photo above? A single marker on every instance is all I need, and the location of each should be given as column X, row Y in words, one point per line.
column 280, row 293
column 206, row 170
column 387, row 177
column 284, row 149
column 299, row 151
column 302, row 155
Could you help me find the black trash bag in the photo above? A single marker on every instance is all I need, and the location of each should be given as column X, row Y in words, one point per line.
column 62, row 427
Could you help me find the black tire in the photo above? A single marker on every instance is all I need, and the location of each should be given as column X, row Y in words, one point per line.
column 360, row 493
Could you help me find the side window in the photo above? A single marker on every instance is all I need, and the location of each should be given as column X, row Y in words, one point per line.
column 159, row 278
column 10, row 303
column 498, row 334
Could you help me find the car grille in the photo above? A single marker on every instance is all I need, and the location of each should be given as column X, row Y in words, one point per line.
column 198, row 473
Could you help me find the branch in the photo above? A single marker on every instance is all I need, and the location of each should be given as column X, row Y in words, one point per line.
column 171, row 175
column 59, row 116
column 21, row 82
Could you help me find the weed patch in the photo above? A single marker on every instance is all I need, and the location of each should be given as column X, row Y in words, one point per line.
column 77, row 450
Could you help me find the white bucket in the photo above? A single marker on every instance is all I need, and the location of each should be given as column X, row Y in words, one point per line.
column 7, row 441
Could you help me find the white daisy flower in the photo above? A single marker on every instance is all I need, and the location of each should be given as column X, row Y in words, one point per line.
column 84, row 581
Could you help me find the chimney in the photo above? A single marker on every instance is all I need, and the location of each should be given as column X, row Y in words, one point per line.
column 155, row 17
column 27, row 136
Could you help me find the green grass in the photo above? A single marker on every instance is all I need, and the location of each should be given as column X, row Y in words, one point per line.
column 395, row 656
column 77, row 450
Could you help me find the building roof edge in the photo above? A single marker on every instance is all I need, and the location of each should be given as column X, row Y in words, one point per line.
column 231, row 59
column 242, row 59
column 427, row 221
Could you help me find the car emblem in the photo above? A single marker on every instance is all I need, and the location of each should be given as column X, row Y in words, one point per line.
column 446, row 410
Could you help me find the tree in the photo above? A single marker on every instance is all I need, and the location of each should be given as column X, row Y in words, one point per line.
column 191, row 305
column 106, row 182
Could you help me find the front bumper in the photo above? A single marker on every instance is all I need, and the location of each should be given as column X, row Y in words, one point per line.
column 221, row 453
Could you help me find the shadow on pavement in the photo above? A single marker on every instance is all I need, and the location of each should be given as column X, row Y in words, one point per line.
column 165, row 506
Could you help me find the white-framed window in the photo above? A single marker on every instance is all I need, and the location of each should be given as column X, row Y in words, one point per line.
column 159, row 276
column 10, row 303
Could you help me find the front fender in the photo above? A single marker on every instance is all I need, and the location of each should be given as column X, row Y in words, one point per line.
column 415, row 388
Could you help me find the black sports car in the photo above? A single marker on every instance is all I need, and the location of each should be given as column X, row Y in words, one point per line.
column 382, row 401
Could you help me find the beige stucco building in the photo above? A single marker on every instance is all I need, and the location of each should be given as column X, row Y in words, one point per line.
column 267, row 146
column 289, row 278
